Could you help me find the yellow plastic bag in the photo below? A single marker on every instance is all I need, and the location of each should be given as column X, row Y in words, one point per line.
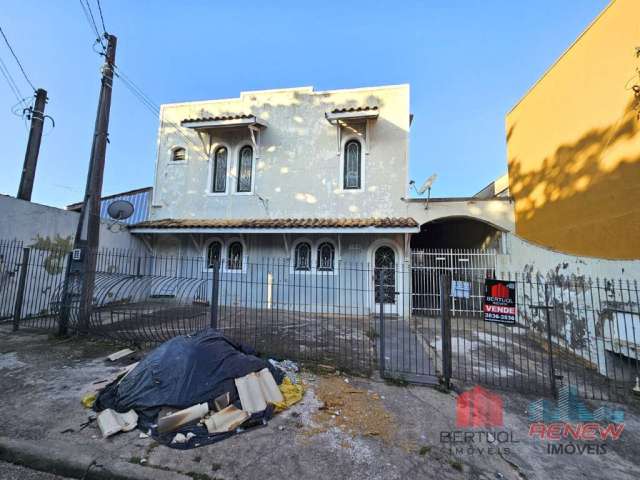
column 88, row 399
column 292, row 393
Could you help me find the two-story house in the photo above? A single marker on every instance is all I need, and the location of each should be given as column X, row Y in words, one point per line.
column 317, row 178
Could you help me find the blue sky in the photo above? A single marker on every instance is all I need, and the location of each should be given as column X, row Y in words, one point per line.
column 468, row 62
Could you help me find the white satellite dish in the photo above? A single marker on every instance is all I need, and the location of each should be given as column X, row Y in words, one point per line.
column 120, row 209
column 427, row 184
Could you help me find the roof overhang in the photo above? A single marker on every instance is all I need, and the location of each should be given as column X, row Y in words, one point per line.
column 168, row 226
column 346, row 116
column 220, row 230
column 209, row 124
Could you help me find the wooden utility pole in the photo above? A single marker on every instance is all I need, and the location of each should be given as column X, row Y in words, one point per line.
column 33, row 146
column 83, row 263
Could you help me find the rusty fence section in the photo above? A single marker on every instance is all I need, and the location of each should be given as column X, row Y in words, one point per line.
column 573, row 331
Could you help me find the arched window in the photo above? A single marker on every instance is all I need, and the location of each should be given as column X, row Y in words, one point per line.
column 220, row 170
column 326, row 256
column 234, row 257
column 352, row 165
column 214, row 254
column 245, row 169
column 178, row 154
column 302, row 257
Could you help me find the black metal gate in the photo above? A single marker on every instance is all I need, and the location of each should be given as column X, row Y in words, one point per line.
column 463, row 267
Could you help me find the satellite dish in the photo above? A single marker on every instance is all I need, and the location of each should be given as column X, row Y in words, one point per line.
column 427, row 184
column 120, row 209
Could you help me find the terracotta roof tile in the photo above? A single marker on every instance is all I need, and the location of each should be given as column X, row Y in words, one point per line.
column 282, row 223
column 354, row 109
column 239, row 116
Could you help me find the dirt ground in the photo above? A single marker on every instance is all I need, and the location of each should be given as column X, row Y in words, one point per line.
column 345, row 427
column 344, row 340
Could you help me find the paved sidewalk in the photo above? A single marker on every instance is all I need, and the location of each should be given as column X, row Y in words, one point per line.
column 42, row 380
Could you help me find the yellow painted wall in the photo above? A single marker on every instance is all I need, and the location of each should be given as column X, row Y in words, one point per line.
column 573, row 144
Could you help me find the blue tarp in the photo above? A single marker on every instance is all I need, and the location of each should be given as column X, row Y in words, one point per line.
column 182, row 372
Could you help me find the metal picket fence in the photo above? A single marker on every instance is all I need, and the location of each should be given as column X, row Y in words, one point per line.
column 574, row 331
column 568, row 331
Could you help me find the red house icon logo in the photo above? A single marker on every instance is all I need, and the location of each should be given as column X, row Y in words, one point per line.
column 499, row 291
column 479, row 407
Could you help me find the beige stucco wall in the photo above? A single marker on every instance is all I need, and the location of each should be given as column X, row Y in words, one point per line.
column 298, row 172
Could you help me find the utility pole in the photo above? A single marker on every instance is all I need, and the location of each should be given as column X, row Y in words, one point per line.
column 83, row 260
column 33, row 146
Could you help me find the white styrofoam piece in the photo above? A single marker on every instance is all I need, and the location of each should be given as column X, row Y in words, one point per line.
column 250, row 393
column 119, row 354
column 270, row 390
column 226, row 420
column 182, row 417
column 111, row 422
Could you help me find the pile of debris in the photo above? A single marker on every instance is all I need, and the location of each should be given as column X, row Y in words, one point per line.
column 195, row 390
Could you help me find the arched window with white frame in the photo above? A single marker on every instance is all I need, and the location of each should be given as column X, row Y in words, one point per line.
column 352, row 165
column 219, row 178
column 214, row 254
column 302, row 257
column 326, row 257
column 235, row 256
column 245, row 169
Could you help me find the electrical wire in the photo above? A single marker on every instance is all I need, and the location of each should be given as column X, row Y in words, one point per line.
column 13, row 86
column 21, row 108
column 88, row 14
column 104, row 29
column 153, row 108
column 6, row 40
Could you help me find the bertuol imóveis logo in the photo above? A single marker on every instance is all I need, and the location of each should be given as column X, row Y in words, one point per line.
column 480, row 425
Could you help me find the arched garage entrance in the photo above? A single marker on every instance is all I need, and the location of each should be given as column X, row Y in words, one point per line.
column 456, row 232
column 462, row 248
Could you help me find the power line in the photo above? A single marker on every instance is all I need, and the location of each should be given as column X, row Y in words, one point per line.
column 153, row 108
column 88, row 15
column 13, row 86
column 93, row 20
column 104, row 29
column 16, row 58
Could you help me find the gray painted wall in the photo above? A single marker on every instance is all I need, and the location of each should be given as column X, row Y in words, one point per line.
column 268, row 279
column 27, row 221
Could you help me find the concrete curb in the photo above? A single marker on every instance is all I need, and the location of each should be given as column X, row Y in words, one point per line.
column 72, row 460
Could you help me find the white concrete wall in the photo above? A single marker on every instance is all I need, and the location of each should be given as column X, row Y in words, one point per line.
column 527, row 258
column 27, row 221
column 299, row 165
column 497, row 212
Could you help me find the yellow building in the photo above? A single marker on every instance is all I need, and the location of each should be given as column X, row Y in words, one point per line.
column 573, row 144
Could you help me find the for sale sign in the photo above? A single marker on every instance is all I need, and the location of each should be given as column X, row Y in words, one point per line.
column 499, row 301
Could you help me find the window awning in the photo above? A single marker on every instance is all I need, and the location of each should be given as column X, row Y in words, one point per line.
column 223, row 121
column 277, row 225
column 352, row 113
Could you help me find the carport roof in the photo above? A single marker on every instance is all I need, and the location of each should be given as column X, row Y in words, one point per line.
column 278, row 225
